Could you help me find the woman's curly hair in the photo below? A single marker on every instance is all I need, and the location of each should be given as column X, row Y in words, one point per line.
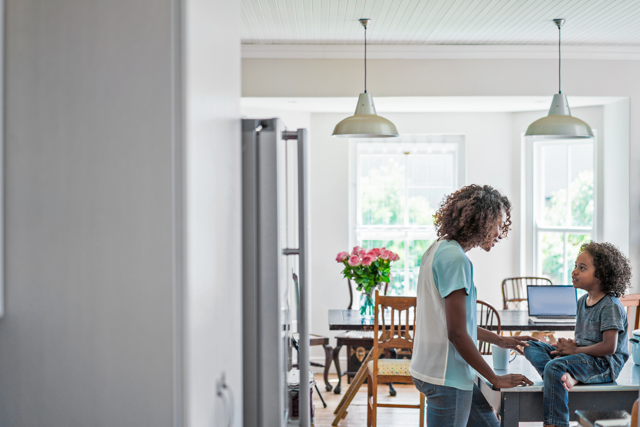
column 612, row 267
column 469, row 215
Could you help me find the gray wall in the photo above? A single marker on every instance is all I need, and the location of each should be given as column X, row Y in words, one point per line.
column 93, row 237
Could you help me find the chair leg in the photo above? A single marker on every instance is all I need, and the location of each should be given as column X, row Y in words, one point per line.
column 551, row 338
column 374, row 408
column 421, row 423
column 392, row 391
column 328, row 355
column 369, row 396
column 336, row 362
column 324, row 405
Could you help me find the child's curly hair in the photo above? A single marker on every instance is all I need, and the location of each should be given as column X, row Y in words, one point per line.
column 469, row 215
column 612, row 267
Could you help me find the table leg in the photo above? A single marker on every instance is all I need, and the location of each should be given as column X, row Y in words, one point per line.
column 336, row 362
column 358, row 380
column 510, row 416
column 328, row 350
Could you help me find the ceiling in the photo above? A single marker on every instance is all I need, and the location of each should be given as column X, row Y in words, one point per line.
column 436, row 22
column 422, row 104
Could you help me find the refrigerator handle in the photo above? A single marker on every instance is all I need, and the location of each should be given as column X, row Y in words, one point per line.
column 303, row 252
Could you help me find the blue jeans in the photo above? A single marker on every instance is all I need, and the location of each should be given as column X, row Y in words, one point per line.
column 584, row 368
column 450, row 407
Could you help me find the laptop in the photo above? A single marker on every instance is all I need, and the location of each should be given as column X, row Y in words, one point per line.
column 552, row 304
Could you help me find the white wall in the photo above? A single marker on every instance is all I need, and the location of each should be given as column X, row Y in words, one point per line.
column 87, row 338
column 461, row 77
column 122, row 213
column 213, row 300
column 615, row 195
column 292, row 120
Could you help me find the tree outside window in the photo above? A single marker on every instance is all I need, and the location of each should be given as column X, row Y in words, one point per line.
column 564, row 205
column 398, row 187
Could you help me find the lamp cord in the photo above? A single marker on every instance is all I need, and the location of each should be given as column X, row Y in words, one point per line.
column 365, row 59
column 559, row 61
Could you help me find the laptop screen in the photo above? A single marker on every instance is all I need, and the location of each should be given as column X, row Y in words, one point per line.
column 552, row 300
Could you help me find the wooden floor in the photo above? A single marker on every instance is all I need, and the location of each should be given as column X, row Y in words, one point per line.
column 357, row 412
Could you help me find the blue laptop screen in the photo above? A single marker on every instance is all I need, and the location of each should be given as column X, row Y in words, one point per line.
column 552, row 300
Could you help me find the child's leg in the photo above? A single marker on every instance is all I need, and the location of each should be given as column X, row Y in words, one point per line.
column 539, row 354
column 582, row 368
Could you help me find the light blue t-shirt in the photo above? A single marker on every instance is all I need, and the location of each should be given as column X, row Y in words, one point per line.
column 444, row 269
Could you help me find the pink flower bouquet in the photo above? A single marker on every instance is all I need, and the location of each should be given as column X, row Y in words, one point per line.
column 368, row 269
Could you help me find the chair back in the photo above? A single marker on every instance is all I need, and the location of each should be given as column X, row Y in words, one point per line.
column 350, row 285
column 629, row 301
column 514, row 291
column 399, row 329
column 488, row 318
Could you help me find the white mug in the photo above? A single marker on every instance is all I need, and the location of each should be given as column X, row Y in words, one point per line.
column 501, row 357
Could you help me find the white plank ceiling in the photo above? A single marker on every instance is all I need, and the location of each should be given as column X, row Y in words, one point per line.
column 436, row 22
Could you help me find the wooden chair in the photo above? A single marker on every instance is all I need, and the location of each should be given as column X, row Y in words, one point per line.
column 488, row 317
column 357, row 343
column 629, row 301
column 385, row 371
column 514, row 297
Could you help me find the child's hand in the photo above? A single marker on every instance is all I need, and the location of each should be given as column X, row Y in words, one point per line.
column 565, row 347
column 515, row 342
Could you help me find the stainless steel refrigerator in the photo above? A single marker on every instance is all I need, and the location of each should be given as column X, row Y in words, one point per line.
column 274, row 177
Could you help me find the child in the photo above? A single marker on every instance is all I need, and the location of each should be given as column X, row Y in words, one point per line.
column 600, row 349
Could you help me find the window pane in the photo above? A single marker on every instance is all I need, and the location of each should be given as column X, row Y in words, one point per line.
column 417, row 248
column 574, row 241
column 431, row 177
column 581, row 189
column 396, row 285
column 382, row 182
column 553, row 185
column 552, row 256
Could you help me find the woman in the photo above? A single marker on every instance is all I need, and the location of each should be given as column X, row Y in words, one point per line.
column 445, row 356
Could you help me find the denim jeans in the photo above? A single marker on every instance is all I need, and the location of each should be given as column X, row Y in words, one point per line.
column 450, row 407
column 584, row 368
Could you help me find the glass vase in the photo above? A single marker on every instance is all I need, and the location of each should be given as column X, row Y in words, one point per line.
column 367, row 306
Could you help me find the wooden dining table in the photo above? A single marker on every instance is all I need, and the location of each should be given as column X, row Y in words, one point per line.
column 351, row 320
column 511, row 320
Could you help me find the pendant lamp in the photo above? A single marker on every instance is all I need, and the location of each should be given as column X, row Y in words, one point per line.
column 365, row 123
column 559, row 124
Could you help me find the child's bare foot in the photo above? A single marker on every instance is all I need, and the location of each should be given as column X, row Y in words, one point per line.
column 568, row 381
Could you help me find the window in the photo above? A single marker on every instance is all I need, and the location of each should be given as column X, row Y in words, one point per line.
column 563, row 206
column 398, row 186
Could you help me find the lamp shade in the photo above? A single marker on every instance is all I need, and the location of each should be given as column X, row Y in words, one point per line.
column 559, row 124
column 365, row 123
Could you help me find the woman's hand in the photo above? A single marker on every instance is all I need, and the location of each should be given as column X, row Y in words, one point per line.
column 565, row 347
column 515, row 342
column 511, row 380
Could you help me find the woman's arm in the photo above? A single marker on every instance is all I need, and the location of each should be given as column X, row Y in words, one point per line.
column 505, row 342
column 607, row 347
column 456, row 311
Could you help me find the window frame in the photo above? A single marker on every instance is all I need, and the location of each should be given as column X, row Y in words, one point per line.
column 406, row 232
column 531, row 261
